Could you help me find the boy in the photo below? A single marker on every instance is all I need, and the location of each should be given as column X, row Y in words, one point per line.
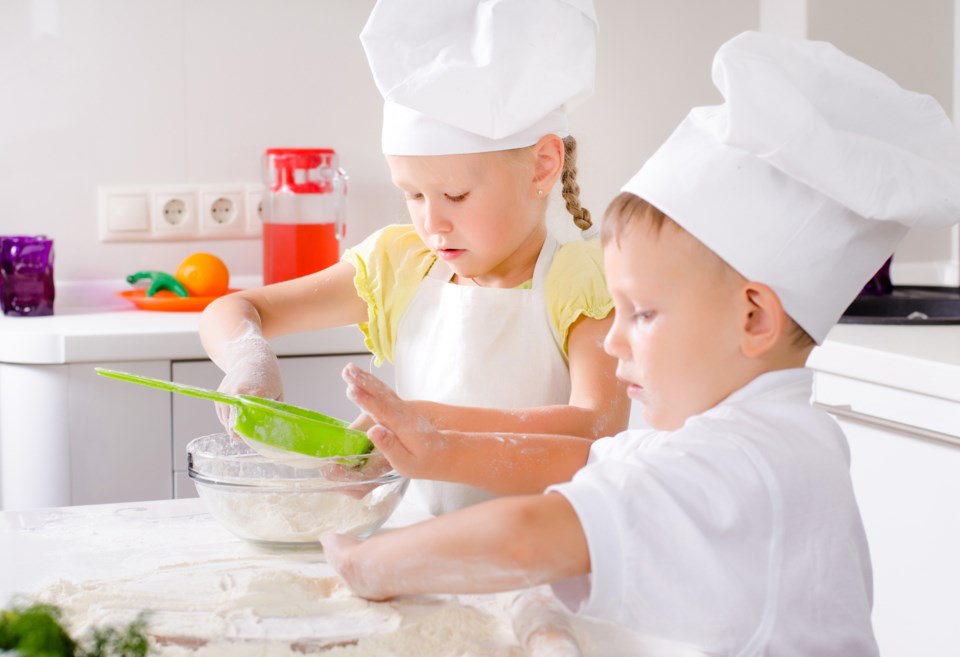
column 731, row 526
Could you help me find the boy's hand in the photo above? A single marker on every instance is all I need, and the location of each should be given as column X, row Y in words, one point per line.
column 338, row 550
column 411, row 443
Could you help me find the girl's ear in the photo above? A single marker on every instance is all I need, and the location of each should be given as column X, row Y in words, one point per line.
column 764, row 320
column 548, row 162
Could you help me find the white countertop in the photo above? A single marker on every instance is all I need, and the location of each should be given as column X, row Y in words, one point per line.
column 91, row 324
column 921, row 359
column 161, row 554
column 174, row 548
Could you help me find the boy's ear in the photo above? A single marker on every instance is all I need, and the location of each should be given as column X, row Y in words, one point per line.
column 548, row 163
column 764, row 320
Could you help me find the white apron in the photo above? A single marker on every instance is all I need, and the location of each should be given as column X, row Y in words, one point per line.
column 479, row 347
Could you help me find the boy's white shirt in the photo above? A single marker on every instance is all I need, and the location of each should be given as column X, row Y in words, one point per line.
column 737, row 534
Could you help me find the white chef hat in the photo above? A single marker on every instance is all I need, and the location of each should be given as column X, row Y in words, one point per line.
column 470, row 76
column 809, row 174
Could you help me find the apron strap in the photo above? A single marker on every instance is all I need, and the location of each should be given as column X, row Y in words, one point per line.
column 544, row 260
column 440, row 271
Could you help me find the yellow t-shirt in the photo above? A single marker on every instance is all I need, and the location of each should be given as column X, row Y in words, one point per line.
column 391, row 263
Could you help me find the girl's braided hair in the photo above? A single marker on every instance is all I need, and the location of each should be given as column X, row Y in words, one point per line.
column 571, row 190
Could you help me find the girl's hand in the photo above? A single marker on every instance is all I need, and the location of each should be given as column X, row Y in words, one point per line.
column 362, row 423
column 251, row 368
column 411, row 443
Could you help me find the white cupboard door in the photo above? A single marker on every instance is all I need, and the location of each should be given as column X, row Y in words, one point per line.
column 310, row 381
column 908, row 489
column 119, row 435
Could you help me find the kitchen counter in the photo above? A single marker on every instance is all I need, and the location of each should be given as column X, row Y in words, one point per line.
column 165, row 554
column 91, row 324
column 160, row 554
column 919, row 359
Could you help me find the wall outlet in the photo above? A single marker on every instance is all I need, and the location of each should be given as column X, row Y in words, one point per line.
column 166, row 213
column 174, row 214
column 255, row 194
column 223, row 213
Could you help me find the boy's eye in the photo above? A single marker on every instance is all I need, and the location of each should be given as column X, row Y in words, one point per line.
column 456, row 198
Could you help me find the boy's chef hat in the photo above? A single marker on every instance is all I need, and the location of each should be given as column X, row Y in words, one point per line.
column 809, row 174
column 469, row 76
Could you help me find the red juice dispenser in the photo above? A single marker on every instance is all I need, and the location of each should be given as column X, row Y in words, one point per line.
column 304, row 211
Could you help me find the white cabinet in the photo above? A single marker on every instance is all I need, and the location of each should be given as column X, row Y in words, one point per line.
column 69, row 436
column 905, row 464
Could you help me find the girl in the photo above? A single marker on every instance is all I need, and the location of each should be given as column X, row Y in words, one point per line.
column 490, row 323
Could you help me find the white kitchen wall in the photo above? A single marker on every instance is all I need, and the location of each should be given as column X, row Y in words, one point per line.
column 912, row 41
column 143, row 92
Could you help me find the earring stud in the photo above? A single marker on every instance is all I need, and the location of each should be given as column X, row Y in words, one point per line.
column 539, row 192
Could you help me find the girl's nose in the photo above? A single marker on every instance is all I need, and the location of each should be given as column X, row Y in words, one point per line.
column 434, row 220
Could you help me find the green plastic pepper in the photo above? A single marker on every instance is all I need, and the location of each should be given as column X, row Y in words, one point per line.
column 159, row 281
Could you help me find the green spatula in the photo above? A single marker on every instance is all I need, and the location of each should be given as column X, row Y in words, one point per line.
column 270, row 422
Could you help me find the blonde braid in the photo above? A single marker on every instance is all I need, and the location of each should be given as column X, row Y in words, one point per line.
column 571, row 190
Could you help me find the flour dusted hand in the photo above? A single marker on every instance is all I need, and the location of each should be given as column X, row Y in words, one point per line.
column 251, row 368
column 408, row 439
column 542, row 625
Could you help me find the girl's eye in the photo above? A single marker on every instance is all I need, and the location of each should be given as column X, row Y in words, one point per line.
column 457, row 198
column 410, row 196
column 643, row 315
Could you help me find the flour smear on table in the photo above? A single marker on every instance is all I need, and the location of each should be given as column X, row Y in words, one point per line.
column 246, row 607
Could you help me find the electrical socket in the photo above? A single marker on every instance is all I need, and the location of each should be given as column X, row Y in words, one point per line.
column 163, row 213
column 255, row 194
column 174, row 213
column 223, row 213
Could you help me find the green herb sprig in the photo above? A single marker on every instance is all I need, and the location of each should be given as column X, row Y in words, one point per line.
column 37, row 631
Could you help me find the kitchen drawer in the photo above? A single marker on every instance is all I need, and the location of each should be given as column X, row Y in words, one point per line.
column 921, row 415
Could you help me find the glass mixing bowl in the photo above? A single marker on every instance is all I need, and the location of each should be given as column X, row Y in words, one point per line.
column 281, row 505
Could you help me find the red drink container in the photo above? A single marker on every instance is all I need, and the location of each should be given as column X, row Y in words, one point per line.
column 304, row 212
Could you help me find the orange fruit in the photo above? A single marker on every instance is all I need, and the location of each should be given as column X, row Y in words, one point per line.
column 204, row 275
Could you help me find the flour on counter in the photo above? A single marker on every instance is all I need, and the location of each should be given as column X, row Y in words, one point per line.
column 247, row 607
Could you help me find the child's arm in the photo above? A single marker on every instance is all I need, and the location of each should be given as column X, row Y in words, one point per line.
column 321, row 300
column 501, row 463
column 501, row 545
column 234, row 328
column 598, row 404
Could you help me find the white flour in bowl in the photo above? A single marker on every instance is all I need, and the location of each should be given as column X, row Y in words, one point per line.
column 299, row 516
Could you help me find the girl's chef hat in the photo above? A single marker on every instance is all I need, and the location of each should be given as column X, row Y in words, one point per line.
column 469, row 76
column 809, row 174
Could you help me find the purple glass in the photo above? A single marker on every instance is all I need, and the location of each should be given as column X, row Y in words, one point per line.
column 880, row 284
column 26, row 275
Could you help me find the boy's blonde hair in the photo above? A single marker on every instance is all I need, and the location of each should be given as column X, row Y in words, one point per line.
column 630, row 210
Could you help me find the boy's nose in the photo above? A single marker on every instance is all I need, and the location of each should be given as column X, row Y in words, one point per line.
column 614, row 343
